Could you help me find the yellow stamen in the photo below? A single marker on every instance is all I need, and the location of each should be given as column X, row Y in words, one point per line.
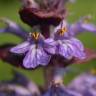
column 36, row 35
column 86, row 20
column 93, row 71
column 62, row 31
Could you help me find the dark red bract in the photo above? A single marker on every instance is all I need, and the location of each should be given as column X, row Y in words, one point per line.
column 33, row 17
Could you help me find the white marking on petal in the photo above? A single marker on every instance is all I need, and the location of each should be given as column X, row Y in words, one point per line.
column 36, row 57
column 63, row 50
column 30, row 60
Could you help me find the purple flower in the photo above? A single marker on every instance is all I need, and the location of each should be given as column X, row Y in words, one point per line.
column 80, row 26
column 13, row 28
column 86, row 82
column 38, row 50
column 61, row 31
column 60, row 90
column 67, row 45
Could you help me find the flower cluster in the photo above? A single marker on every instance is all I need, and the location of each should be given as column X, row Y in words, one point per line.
column 39, row 50
column 58, row 48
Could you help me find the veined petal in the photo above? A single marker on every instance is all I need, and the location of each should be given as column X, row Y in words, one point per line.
column 21, row 48
column 74, row 48
column 89, row 27
column 62, row 50
column 70, row 51
column 44, row 58
column 77, row 43
column 66, row 49
column 30, row 60
column 50, row 46
column 80, row 54
column 35, row 57
column 78, row 48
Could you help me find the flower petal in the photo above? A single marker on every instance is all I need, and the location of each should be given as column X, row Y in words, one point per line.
column 70, row 51
column 79, row 44
column 89, row 27
column 35, row 57
column 79, row 54
column 50, row 46
column 62, row 50
column 76, row 42
column 21, row 48
column 77, row 49
column 44, row 59
column 65, row 49
column 30, row 60
column 71, row 48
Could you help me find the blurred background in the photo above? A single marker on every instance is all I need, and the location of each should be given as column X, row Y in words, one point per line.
column 10, row 8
